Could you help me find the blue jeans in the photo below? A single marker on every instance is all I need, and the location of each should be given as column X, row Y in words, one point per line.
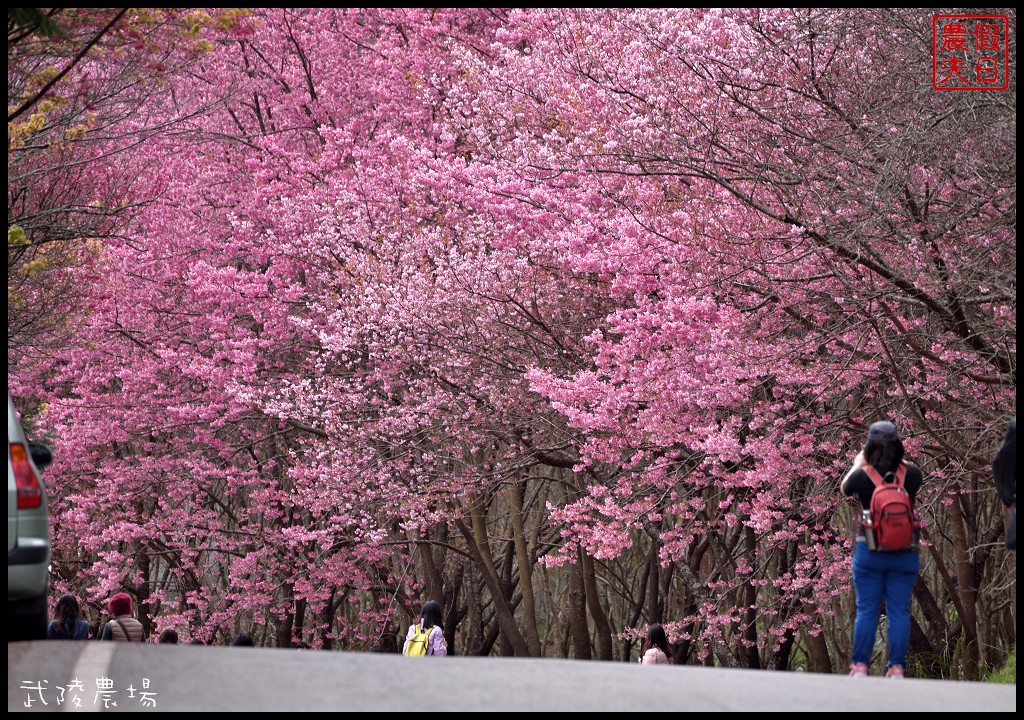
column 876, row 575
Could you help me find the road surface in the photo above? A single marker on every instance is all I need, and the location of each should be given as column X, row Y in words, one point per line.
column 156, row 678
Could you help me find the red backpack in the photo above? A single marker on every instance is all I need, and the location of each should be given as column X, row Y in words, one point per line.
column 891, row 511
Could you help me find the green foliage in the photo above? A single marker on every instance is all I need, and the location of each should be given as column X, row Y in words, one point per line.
column 945, row 665
column 799, row 661
column 16, row 236
column 929, row 665
column 1007, row 674
column 33, row 20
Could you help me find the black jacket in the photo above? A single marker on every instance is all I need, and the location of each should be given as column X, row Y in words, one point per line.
column 1005, row 466
column 858, row 483
column 1004, row 471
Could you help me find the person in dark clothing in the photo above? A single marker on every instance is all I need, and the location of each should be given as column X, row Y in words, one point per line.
column 67, row 623
column 242, row 640
column 1004, row 471
column 168, row 637
column 878, row 574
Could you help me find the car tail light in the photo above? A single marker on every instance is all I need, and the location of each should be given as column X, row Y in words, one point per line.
column 30, row 493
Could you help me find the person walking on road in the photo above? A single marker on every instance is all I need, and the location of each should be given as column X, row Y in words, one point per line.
column 123, row 627
column 878, row 573
column 67, row 623
column 655, row 648
column 427, row 636
column 169, row 636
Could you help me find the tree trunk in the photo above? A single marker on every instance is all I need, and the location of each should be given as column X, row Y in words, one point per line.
column 723, row 654
column 601, row 626
column 475, row 638
column 283, row 637
column 525, row 570
column 476, row 541
column 967, row 591
column 298, row 624
column 780, row 658
column 578, row 614
column 817, row 650
column 433, row 583
column 749, row 593
column 636, row 611
column 142, row 593
column 933, row 642
column 655, row 608
column 327, row 622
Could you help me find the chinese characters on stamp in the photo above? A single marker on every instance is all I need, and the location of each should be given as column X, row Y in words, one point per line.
column 970, row 52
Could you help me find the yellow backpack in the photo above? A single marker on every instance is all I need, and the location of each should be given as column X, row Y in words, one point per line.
column 417, row 644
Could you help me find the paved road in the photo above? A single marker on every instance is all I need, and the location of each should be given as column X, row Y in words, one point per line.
column 195, row 678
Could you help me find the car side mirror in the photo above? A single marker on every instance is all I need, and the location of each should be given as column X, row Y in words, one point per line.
column 41, row 455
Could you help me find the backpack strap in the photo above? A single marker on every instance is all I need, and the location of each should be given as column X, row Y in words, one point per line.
column 901, row 473
column 125, row 631
column 419, row 631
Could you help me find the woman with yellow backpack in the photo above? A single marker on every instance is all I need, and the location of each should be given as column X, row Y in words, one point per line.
column 427, row 636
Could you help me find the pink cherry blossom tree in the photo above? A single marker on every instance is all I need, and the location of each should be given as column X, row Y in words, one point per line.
column 569, row 319
column 85, row 88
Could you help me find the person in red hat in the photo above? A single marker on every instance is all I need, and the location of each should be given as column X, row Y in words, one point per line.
column 124, row 627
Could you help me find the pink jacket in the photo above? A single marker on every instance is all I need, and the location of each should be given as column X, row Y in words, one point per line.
column 654, row 656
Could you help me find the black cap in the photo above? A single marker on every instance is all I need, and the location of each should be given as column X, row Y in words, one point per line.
column 883, row 430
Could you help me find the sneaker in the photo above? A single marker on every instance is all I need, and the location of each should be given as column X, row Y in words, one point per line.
column 858, row 670
column 895, row 671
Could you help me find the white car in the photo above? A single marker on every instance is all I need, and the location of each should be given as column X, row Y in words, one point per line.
column 28, row 533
